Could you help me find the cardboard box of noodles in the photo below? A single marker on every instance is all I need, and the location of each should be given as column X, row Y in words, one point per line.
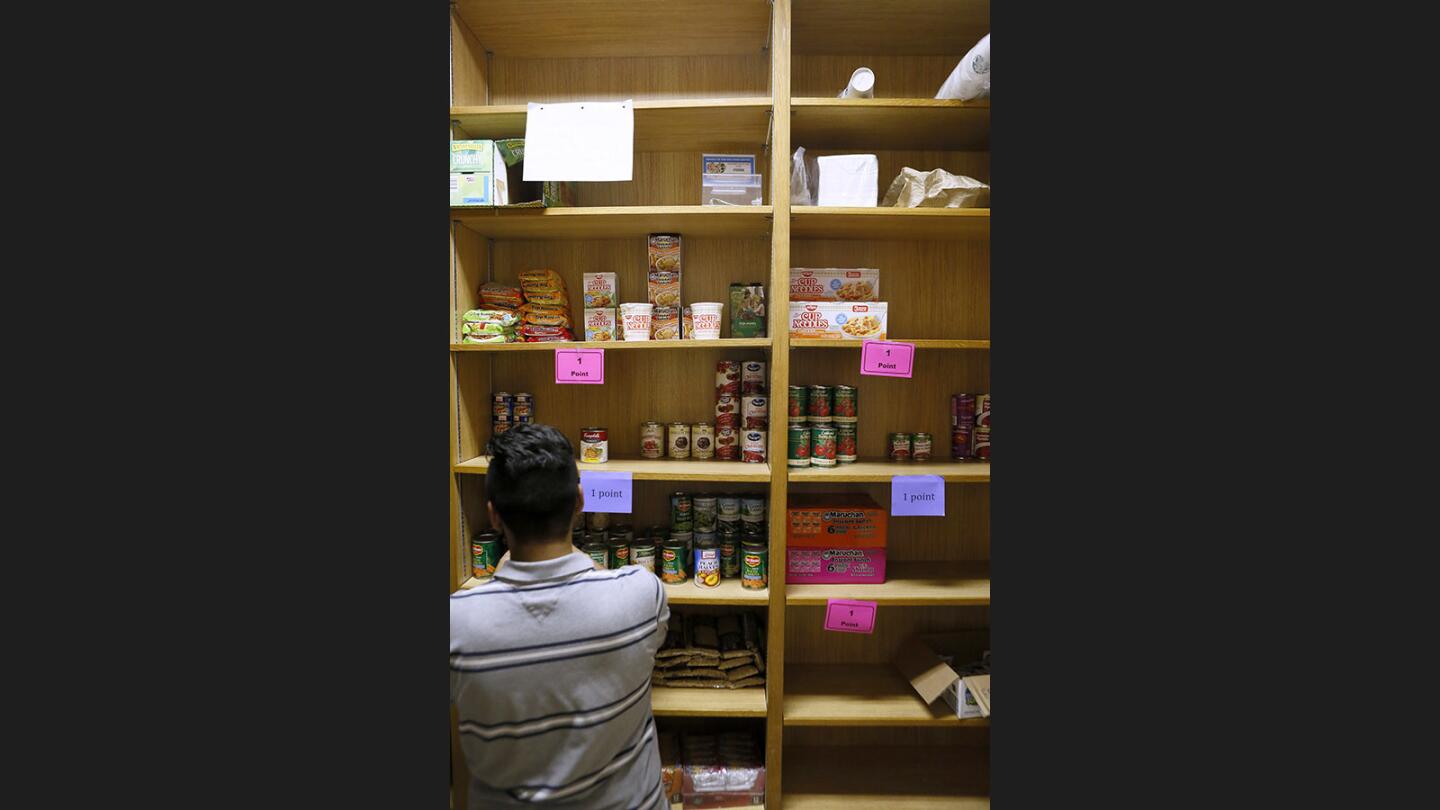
column 953, row 666
column 838, row 320
column 834, row 284
column 835, row 539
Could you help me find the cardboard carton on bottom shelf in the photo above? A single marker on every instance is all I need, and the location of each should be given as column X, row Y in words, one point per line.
column 670, row 776
column 930, row 662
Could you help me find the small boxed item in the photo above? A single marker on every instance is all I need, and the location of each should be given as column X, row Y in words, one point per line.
column 600, row 324
column 473, row 156
column 665, row 323
column 727, row 164
column 731, row 189
column 747, row 310
column 512, row 192
column 600, row 290
column 835, row 539
column 472, row 188
column 929, row 662
column 838, row 320
column 834, row 284
column 848, row 180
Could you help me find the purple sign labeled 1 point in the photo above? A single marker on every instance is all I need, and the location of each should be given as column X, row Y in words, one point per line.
column 606, row 491
column 884, row 358
column 580, row 366
column 917, row 496
column 850, row 616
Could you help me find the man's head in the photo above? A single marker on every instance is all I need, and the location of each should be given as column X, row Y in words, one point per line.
column 532, row 484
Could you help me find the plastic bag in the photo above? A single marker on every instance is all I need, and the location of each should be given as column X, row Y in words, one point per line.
column 804, row 177
column 935, row 189
column 971, row 78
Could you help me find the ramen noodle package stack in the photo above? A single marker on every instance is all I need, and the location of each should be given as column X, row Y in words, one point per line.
column 663, row 285
column 545, row 315
column 838, row 320
column 499, row 296
column 834, row 284
column 489, row 326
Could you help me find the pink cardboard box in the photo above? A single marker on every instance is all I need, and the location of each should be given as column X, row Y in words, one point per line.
column 825, row 565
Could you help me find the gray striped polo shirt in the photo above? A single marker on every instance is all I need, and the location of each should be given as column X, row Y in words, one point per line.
column 550, row 668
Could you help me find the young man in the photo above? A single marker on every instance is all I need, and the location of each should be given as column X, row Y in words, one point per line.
column 550, row 661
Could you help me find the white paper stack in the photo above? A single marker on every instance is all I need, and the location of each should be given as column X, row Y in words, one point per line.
column 849, row 180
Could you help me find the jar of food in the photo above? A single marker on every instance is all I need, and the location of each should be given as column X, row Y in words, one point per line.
column 753, row 448
column 652, row 440
column 678, row 440
column 702, row 440
column 899, row 444
column 920, row 447
column 818, row 406
column 845, row 408
column 847, row 443
column 594, row 445
column 822, row 446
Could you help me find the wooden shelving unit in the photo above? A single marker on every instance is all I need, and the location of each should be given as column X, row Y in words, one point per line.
column 757, row 77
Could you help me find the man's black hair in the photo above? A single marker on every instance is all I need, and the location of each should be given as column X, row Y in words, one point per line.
column 532, row 481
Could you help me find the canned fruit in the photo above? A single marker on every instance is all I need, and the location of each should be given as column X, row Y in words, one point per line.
column 962, row 410
column 960, row 442
column 702, row 440
column 677, row 440
column 727, row 443
column 707, row 567
column 652, row 440
column 982, row 442
column 727, row 411
column 982, row 410
column 727, row 378
column 755, row 411
column 752, row 378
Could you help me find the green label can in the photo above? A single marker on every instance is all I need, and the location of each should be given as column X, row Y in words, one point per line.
column 798, row 446
column 728, row 504
column 846, row 443
column 822, row 446
column 818, row 407
column 643, row 555
column 899, row 444
column 618, row 555
column 672, row 562
column 485, row 554
column 728, row 526
column 705, row 509
column 796, row 399
column 845, row 408
column 599, row 554
column 730, row 556
column 920, row 447
column 752, row 509
column 754, row 566
column 682, row 512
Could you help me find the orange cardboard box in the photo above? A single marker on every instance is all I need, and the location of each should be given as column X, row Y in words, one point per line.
column 835, row 521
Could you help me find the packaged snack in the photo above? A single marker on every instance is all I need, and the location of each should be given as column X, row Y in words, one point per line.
column 494, row 294
column 600, row 324
column 500, row 316
column 600, row 290
column 533, row 333
column 541, row 280
column 747, row 310
column 834, row 284
column 487, row 339
column 687, row 324
column 541, row 315
column 665, row 323
column 828, row 320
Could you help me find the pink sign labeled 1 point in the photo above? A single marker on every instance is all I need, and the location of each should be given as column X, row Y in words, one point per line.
column 917, row 496
column 580, row 366
column 884, row 358
column 850, row 616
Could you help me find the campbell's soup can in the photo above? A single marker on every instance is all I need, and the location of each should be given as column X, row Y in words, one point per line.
column 727, row 411
column 982, row 410
column 756, row 412
column 822, row 446
column 752, row 378
column 920, row 447
column 523, row 408
column 844, row 404
column 899, row 446
column 847, row 443
column 594, row 445
column 652, row 440
column 796, row 397
column 702, row 440
column 818, row 406
column 797, row 446
column 752, row 448
column 727, row 378
column 962, row 410
column 982, row 442
column 727, row 443
column 677, row 438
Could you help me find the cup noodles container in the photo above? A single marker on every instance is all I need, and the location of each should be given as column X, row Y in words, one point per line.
column 832, row 320
column 600, row 324
column 635, row 320
column 706, row 320
column 600, row 290
column 834, row 284
column 835, row 539
column 727, row 378
column 665, row 323
column 752, row 377
column 663, row 281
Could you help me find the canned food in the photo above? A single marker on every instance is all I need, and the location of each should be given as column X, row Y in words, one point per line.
column 797, row 446
column 658, row 535
column 500, row 427
column 619, row 553
column 753, row 449
column 962, row 411
column 752, row 378
column 751, row 531
column 672, row 565
column 728, row 505
column 727, row 378
column 624, row 531
column 643, row 555
column 594, row 445
column 796, row 397
column 707, row 566
column 847, row 443
column 485, row 553
column 730, row 556
column 682, row 513
column 818, row 406
column 845, row 406
column 577, row 537
column 727, row 411
column 752, row 509
column 728, row 526
column 705, row 509
column 756, row 412
column 597, row 520
column 727, row 443
column 652, row 440
column 960, row 442
column 687, row 542
column 597, row 536
column 982, row 442
column 523, row 409
column 982, row 410
column 899, row 444
column 599, row 554
column 822, row 446
column 502, row 407
column 677, row 438
column 920, row 447
column 754, row 566
column 702, row 440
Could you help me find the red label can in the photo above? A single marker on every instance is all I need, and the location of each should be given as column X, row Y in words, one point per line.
column 753, row 449
column 960, row 442
column 962, row 411
column 752, row 378
column 727, row 411
column 982, row 442
column 982, row 410
column 727, row 443
column 727, row 378
column 756, row 412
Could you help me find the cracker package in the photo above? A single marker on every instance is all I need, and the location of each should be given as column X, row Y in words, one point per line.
column 600, row 324
column 834, row 284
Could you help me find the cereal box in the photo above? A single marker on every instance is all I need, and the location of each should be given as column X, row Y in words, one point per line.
column 600, row 290
column 665, row 323
column 600, row 324
column 663, row 281
column 834, row 284
column 838, row 320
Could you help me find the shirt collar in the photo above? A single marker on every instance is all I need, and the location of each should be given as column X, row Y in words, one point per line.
column 524, row 573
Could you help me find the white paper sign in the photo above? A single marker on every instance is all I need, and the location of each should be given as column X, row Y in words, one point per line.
column 582, row 140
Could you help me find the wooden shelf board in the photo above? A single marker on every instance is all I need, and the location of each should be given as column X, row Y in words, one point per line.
column 908, row 583
column 893, row 777
column 826, row 222
column 564, row 28
column 909, row 28
column 674, row 701
column 654, row 345
column 684, row 125
column 616, row 222
column 658, row 469
column 860, row 695
column 890, row 123
column 810, row 343
column 880, row 470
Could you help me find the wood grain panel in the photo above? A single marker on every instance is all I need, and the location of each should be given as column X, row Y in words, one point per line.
column 828, row 123
column 806, row 642
column 751, row 221
column 889, row 736
column 609, row 29
column 467, row 65
column 889, row 26
column 969, row 164
column 895, row 76
column 521, row 81
column 661, row 178
column 898, row 778
column 720, row 124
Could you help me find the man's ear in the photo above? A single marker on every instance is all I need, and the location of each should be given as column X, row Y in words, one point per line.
column 495, row 522
column 579, row 500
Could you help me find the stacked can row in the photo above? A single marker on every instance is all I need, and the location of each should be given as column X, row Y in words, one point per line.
column 742, row 410
column 823, row 421
column 970, row 427
column 508, row 409
column 710, row 538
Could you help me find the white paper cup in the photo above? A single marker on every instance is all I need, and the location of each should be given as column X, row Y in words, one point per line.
column 706, row 320
column 635, row 320
column 862, row 84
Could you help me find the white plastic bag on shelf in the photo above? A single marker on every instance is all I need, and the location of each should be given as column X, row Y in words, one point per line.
column 971, row 78
column 935, row 189
column 804, row 174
